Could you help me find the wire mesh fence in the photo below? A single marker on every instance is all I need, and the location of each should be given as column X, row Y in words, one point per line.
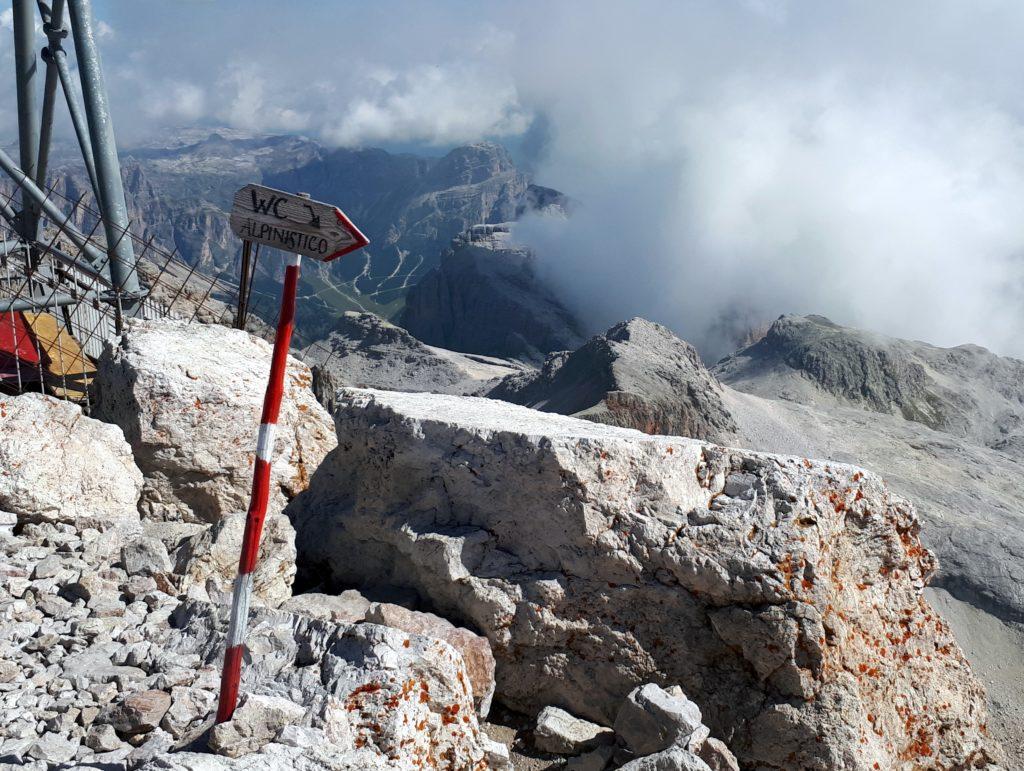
column 58, row 306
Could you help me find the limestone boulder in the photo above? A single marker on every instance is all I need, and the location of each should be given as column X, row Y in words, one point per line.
column 188, row 398
column 57, row 465
column 211, row 560
column 475, row 649
column 783, row 594
column 559, row 733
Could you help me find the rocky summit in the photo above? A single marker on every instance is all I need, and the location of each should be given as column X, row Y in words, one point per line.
column 783, row 595
column 364, row 350
column 636, row 375
column 489, row 586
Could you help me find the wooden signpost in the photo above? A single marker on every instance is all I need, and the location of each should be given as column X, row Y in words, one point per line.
column 293, row 223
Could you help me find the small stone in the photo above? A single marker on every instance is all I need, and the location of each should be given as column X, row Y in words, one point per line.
column 300, row 736
column 48, row 568
column 53, row 606
column 9, row 671
column 53, row 748
column 498, row 757
column 674, row 759
column 103, row 738
column 154, row 745
column 560, row 733
column 651, row 720
column 139, row 713
column 255, row 723
column 145, row 556
column 103, row 692
column 188, row 706
column 139, row 586
column 717, row 756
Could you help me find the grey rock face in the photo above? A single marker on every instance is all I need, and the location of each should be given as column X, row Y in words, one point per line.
column 651, row 720
column 485, row 298
column 189, row 399
column 597, row 559
column 365, row 351
column 559, row 733
column 636, row 375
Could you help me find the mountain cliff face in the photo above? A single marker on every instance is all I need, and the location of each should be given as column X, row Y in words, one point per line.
column 486, row 298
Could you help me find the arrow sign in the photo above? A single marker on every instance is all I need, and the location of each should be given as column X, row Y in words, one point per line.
column 293, row 223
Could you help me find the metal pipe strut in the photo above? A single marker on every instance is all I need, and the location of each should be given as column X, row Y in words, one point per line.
column 39, row 303
column 123, row 272
column 60, row 60
column 30, row 189
column 23, row 19
column 53, row 26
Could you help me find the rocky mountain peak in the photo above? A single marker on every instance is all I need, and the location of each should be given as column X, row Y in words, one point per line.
column 473, row 164
column 637, row 374
column 967, row 390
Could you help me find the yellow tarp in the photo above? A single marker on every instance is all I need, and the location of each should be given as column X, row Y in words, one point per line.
column 66, row 368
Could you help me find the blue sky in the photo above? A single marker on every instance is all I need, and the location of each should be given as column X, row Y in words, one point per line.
column 735, row 159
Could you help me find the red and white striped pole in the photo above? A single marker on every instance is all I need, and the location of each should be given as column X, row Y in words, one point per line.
column 231, row 675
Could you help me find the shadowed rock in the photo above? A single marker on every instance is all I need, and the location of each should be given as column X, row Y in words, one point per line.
column 366, row 351
column 486, row 298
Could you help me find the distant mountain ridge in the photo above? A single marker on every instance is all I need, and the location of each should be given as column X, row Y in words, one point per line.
column 179, row 190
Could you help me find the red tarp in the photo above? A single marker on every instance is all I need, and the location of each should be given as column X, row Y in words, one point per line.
column 18, row 350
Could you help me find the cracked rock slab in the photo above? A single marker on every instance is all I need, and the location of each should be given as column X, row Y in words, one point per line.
column 597, row 559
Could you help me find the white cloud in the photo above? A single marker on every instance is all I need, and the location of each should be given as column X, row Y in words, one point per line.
column 248, row 100
column 436, row 105
column 174, row 101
